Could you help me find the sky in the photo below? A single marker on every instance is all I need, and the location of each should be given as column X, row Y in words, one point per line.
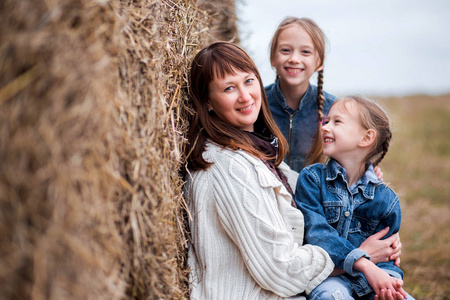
column 374, row 47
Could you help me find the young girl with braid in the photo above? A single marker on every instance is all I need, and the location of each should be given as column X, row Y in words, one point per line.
column 297, row 51
column 343, row 202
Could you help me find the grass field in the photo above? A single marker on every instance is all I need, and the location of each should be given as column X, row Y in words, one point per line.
column 417, row 167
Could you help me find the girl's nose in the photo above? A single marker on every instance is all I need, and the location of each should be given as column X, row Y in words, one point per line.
column 325, row 128
column 295, row 57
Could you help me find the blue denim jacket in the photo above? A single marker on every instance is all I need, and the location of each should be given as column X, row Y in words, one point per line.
column 298, row 126
column 339, row 218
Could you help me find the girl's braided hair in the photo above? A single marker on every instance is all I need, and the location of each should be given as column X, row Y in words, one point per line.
column 316, row 152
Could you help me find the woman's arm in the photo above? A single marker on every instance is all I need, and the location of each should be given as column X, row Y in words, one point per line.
column 253, row 216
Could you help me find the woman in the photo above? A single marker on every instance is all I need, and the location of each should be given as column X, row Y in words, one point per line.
column 246, row 233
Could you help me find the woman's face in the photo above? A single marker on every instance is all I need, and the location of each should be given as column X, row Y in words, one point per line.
column 236, row 99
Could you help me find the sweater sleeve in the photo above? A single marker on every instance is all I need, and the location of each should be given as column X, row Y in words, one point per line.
column 254, row 219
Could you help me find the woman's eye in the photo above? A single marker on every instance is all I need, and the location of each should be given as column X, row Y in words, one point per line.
column 250, row 80
column 228, row 88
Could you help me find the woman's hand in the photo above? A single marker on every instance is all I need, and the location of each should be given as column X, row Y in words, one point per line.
column 383, row 250
column 378, row 172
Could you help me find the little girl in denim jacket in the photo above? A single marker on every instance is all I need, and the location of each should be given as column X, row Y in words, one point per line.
column 343, row 202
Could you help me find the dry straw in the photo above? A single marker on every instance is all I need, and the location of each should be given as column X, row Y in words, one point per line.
column 92, row 110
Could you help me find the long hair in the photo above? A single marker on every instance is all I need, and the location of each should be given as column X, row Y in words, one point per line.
column 371, row 116
column 216, row 61
column 318, row 38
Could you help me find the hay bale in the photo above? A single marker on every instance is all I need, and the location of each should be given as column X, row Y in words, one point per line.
column 223, row 22
column 58, row 219
column 159, row 41
column 92, row 127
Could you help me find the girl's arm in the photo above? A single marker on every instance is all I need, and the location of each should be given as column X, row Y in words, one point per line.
column 378, row 279
column 380, row 250
column 386, row 250
column 308, row 198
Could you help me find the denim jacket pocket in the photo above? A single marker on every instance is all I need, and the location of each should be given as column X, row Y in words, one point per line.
column 363, row 226
column 332, row 210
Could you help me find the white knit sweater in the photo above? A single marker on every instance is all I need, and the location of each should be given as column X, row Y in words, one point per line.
column 246, row 237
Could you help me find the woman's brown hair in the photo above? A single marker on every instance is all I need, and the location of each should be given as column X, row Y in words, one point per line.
column 216, row 61
column 318, row 38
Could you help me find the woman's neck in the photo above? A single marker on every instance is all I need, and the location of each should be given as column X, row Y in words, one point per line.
column 293, row 94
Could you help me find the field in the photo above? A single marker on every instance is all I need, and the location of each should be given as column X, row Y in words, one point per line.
column 417, row 167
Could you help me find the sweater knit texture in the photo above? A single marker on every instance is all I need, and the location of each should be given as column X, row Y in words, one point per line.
column 247, row 239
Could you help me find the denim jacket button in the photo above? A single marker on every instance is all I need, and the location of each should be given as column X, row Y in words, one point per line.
column 347, row 214
column 359, row 224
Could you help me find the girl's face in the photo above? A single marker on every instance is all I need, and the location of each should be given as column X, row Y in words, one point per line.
column 342, row 132
column 236, row 99
column 295, row 58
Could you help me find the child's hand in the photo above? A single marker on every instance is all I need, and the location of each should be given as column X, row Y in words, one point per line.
column 388, row 295
column 379, row 280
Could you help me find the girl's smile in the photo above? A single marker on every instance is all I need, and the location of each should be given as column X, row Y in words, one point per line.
column 294, row 71
column 342, row 132
column 296, row 58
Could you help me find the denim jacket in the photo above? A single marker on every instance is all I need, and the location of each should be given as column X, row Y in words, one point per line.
column 339, row 218
column 298, row 126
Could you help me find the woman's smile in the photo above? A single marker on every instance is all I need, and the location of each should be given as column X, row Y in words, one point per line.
column 236, row 99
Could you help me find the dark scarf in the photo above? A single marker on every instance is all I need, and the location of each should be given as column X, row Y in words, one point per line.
column 268, row 144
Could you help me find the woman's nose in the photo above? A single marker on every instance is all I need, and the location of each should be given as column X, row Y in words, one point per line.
column 244, row 95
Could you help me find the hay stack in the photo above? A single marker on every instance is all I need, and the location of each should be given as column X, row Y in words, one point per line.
column 91, row 136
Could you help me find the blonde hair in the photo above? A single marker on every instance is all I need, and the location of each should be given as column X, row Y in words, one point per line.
column 318, row 38
column 371, row 115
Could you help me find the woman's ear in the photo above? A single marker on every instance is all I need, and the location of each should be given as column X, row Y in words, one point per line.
column 368, row 138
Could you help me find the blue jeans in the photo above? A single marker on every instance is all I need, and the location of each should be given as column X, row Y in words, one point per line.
column 338, row 288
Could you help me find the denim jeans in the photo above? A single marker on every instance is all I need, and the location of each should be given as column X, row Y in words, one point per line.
column 338, row 288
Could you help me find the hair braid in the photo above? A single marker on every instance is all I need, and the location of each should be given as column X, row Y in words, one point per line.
column 315, row 153
column 320, row 97
column 384, row 147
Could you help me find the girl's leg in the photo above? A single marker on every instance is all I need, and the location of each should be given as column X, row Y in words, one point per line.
column 333, row 288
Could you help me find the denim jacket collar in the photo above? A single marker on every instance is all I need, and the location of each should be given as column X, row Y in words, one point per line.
column 279, row 97
column 367, row 183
